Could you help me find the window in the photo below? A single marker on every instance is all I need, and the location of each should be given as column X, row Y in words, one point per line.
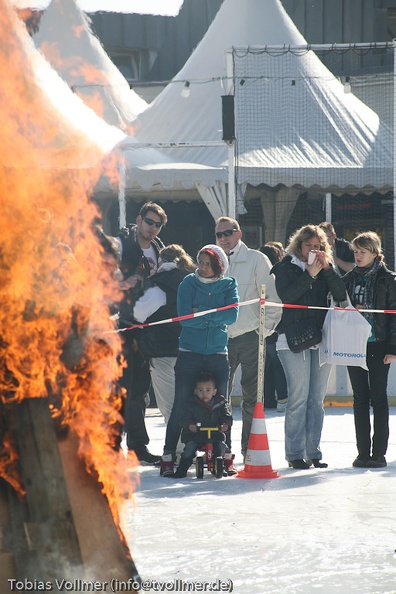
column 135, row 64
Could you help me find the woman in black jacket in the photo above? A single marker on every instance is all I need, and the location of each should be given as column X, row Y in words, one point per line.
column 371, row 285
column 160, row 343
column 304, row 277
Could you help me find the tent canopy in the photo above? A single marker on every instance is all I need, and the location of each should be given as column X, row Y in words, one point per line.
column 79, row 58
column 305, row 130
column 44, row 124
column 81, row 61
column 340, row 143
column 150, row 170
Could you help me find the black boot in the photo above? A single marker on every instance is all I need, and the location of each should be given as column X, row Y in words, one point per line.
column 377, row 462
column 361, row 462
column 298, row 464
column 318, row 463
column 182, row 469
column 144, row 455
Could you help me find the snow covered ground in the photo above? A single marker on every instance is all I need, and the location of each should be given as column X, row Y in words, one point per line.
column 331, row 531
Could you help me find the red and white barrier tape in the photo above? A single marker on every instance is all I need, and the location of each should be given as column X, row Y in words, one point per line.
column 249, row 302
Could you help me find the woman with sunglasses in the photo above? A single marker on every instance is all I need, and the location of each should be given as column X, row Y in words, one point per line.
column 203, row 339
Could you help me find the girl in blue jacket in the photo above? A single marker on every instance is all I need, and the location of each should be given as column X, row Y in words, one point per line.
column 203, row 339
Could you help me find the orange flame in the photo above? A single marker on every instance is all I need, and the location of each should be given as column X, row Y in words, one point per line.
column 54, row 289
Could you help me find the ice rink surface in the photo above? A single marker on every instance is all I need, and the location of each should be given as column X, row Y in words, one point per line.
column 330, row 531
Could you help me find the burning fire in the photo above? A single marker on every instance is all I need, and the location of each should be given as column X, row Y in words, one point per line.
column 54, row 289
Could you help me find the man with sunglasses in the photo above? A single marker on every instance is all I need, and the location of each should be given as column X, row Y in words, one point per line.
column 139, row 248
column 251, row 269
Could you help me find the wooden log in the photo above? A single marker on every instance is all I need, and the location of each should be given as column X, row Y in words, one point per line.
column 7, row 560
column 103, row 547
column 64, row 526
column 50, row 542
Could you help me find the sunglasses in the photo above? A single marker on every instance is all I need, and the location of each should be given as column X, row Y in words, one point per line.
column 150, row 222
column 226, row 233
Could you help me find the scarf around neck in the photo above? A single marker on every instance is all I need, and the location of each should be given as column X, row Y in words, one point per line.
column 207, row 280
column 361, row 287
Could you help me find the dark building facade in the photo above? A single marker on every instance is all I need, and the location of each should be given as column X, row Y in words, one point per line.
column 152, row 49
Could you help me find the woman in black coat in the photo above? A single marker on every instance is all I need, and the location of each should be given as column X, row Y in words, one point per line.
column 160, row 343
column 371, row 285
column 305, row 276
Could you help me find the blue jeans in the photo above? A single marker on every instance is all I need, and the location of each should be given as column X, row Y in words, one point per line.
column 307, row 386
column 191, row 447
column 187, row 368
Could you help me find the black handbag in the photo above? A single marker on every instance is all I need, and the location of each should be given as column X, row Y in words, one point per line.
column 302, row 335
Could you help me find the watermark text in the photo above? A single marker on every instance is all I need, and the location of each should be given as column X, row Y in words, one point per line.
column 115, row 585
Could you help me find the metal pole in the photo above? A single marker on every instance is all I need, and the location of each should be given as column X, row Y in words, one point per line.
column 121, row 191
column 231, row 181
column 261, row 353
column 229, row 87
column 175, row 144
column 328, row 213
column 314, row 47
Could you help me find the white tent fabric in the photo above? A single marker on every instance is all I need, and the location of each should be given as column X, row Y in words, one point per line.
column 148, row 167
column 150, row 170
column 354, row 140
column 214, row 198
column 66, row 40
column 307, row 130
column 47, row 124
column 80, row 59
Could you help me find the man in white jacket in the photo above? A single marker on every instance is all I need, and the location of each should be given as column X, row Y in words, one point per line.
column 251, row 269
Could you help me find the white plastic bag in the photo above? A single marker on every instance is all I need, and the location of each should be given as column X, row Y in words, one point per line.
column 345, row 334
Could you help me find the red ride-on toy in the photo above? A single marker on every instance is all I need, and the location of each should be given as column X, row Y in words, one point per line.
column 205, row 457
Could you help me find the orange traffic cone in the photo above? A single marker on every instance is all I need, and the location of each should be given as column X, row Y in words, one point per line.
column 258, row 458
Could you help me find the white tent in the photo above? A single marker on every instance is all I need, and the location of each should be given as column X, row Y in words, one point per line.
column 355, row 147
column 66, row 40
column 44, row 124
column 307, row 130
column 145, row 169
column 81, row 61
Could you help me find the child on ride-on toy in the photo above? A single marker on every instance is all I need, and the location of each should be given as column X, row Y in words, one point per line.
column 208, row 409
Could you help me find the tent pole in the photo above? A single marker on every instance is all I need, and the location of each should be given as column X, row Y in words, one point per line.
column 121, row 191
column 231, row 181
column 328, row 213
column 229, row 88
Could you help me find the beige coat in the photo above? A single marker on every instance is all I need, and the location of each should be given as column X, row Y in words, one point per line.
column 251, row 269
